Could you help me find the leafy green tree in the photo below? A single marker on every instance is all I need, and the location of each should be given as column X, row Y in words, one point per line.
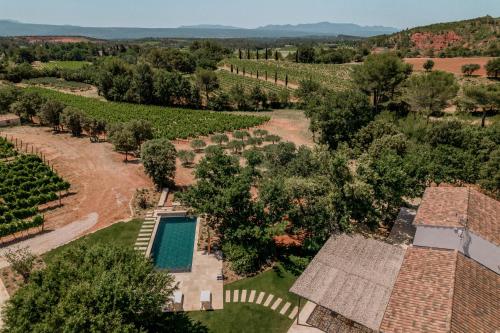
column 142, row 85
column 260, row 132
column 95, row 289
column 306, row 54
column 50, row 114
column 94, row 128
column 428, row 65
column 238, row 97
column 489, row 173
column 469, row 69
column 258, row 98
column 198, row 145
column 141, row 129
column 487, row 97
column 219, row 139
column 8, row 95
column 493, row 68
column 272, row 138
column 429, row 93
column 340, row 116
column 27, row 105
column 241, row 135
column 171, row 88
column 123, row 139
column 221, row 102
column 208, row 82
column 73, row 119
column 159, row 157
column 236, row 145
column 381, row 75
column 186, row 156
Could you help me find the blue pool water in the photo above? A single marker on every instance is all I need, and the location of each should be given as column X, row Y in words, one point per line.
column 174, row 243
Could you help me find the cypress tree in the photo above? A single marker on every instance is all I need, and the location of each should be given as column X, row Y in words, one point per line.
column 257, row 73
column 248, row 53
column 257, row 54
column 276, row 56
column 266, row 75
column 232, row 68
column 275, row 77
column 240, row 54
column 237, row 70
column 267, row 57
column 286, row 80
column 297, row 56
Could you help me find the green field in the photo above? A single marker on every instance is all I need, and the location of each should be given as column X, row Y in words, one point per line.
column 334, row 77
column 64, row 64
column 170, row 123
column 227, row 80
column 57, row 83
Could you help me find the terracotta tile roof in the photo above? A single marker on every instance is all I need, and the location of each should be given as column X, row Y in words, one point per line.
column 352, row 276
column 484, row 217
column 455, row 206
column 443, row 206
column 476, row 300
column 422, row 298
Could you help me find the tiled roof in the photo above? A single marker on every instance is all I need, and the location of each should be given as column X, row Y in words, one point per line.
column 352, row 276
column 422, row 297
column 476, row 300
column 443, row 291
column 458, row 206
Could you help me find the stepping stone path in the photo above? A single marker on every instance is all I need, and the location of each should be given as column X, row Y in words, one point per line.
column 144, row 237
column 268, row 300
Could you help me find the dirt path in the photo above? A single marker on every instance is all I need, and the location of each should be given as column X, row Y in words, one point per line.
column 293, row 86
column 104, row 185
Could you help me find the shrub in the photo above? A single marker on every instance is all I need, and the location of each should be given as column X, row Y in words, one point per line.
column 198, row 145
column 186, row 156
column 243, row 260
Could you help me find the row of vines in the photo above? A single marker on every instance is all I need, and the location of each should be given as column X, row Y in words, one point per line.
column 228, row 80
column 25, row 184
column 169, row 123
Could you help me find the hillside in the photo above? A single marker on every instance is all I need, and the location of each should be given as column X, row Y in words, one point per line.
column 13, row 28
column 475, row 37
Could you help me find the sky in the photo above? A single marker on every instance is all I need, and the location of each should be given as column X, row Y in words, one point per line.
column 243, row 13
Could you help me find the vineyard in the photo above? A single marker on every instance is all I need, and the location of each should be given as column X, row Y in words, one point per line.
column 6, row 149
column 63, row 64
column 170, row 123
column 57, row 83
column 334, row 77
column 25, row 183
column 228, row 80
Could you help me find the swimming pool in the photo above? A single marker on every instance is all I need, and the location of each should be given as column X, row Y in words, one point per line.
column 174, row 243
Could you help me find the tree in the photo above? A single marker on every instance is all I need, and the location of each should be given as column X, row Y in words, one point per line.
column 428, row 65
column 381, row 75
column 219, row 139
column 260, row 132
column 73, row 119
column 238, row 97
column 258, row 98
column 198, row 145
column 208, row 82
column 22, row 262
column 306, row 54
column 493, row 68
column 142, row 85
column 103, row 288
column 141, row 129
column 186, row 156
column 27, row 105
column 469, row 69
column 8, row 95
column 94, row 128
column 485, row 96
column 272, row 138
column 50, row 114
column 241, row 135
column 123, row 139
column 429, row 93
column 236, row 145
column 340, row 116
column 158, row 157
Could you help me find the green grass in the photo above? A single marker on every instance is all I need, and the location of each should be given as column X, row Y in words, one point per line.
column 249, row 317
column 122, row 234
column 171, row 123
column 64, row 64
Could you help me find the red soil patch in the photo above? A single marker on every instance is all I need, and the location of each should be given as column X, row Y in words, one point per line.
column 103, row 183
column 436, row 42
column 452, row 65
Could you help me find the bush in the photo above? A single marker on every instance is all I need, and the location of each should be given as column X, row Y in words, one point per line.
column 158, row 157
column 186, row 156
column 243, row 260
column 198, row 145
column 295, row 264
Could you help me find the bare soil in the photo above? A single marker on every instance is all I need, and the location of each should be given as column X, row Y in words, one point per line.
column 452, row 65
column 102, row 183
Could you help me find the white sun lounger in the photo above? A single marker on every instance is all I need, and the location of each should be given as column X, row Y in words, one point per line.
column 206, row 300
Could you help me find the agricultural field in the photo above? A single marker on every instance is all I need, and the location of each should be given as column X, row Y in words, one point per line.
column 334, row 77
column 26, row 183
column 170, row 123
column 227, row 80
column 452, row 65
column 63, row 64
column 6, row 149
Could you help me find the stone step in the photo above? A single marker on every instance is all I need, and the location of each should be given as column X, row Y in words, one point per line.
column 261, row 297
column 141, row 244
column 268, row 300
column 228, row 296
column 141, row 248
column 145, row 234
column 243, row 298
column 251, row 298
column 294, row 312
column 285, row 308
column 276, row 304
column 235, row 295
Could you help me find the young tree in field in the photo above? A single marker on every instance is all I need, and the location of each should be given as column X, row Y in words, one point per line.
column 493, row 68
column 158, row 157
column 8, row 95
column 340, row 116
column 272, row 138
column 123, row 139
column 429, row 93
column 428, row 65
column 219, row 139
column 236, row 146
column 50, row 114
column 103, row 288
column 141, row 129
column 22, row 262
column 73, row 119
column 241, row 135
column 198, row 145
column 207, row 82
column 469, row 69
column 186, row 156
column 260, row 132
column 487, row 97
column 27, row 105
column 94, row 128
column 381, row 75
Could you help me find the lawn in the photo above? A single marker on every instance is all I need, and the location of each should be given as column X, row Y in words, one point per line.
column 248, row 317
column 122, row 234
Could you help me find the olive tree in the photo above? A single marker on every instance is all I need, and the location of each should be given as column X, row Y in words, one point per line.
column 50, row 114
column 158, row 157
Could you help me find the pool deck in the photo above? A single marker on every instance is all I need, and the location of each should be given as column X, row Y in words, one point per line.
column 203, row 275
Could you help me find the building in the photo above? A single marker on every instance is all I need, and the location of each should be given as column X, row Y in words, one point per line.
column 447, row 281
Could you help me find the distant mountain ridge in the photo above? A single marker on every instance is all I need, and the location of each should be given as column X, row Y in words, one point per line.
column 10, row 28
